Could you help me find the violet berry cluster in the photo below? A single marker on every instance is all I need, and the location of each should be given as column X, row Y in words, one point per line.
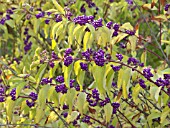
column 119, row 56
column 13, row 93
column 166, row 7
column 33, row 97
column 115, row 106
column 147, row 73
column 163, row 81
column 46, row 81
column 2, row 91
column 130, row 32
column 82, row 20
column 53, row 57
column 8, row 17
column 114, row 26
column 60, row 79
column 104, row 102
column 94, row 98
column 84, row 66
column 87, row 54
column 28, row 44
column 99, row 57
column 61, row 88
column 115, row 68
column 67, row 57
column 142, row 83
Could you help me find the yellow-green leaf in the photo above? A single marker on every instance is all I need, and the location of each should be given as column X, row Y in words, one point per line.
column 108, row 109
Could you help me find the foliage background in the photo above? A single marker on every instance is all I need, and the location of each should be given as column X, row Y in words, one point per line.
column 22, row 69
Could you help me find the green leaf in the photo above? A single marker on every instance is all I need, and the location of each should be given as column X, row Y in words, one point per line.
column 86, row 41
column 124, row 89
column 67, row 72
column 80, row 101
column 54, row 29
column 157, row 93
column 154, row 91
column 135, row 93
column 71, row 94
column 19, row 87
column 59, row 8
column 120, row 81
column 154, row 114
column 72, row 117
column 36, row 26
column 127, row 26
column 43, row 95
column 11, row 23
column 39, row 114
column 133, row 40
column 40, row 73
column 108, row 109
column 71, row 27
column 165, row 113
column 143, row 57
column 100, row 78
column 9, row 108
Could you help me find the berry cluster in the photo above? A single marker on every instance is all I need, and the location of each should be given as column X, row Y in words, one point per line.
column 67, row 52
column 122, row 45
column 84, row 66
column 147, row 73
column 82, row 20
column 115, row 107
column 129, row 32
column 30, row 103
column 8, row 17
column 130, row 2
column 77, row 87
column 67, row 58
column 115, row 68
column 116, row 29
column 99, row 57
column 142, row 83
column 65, row 114
column 132, row 60
column 2, row 91
column 40, row 14
column 104, row 102
column 119, row 56
column 28, row 44
column 61, row 88
column 46, row 81
column 94, row 98
column 109, row 24
column 65, row 107
column 12, row 94
column 83, row 9
column 87, row 54
column 60, row 79
column 163, row 82
column 97, row 23
column 71, row 83
column 53, row 57
column 166, row 7
column 86, row 119
column 33, row 96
